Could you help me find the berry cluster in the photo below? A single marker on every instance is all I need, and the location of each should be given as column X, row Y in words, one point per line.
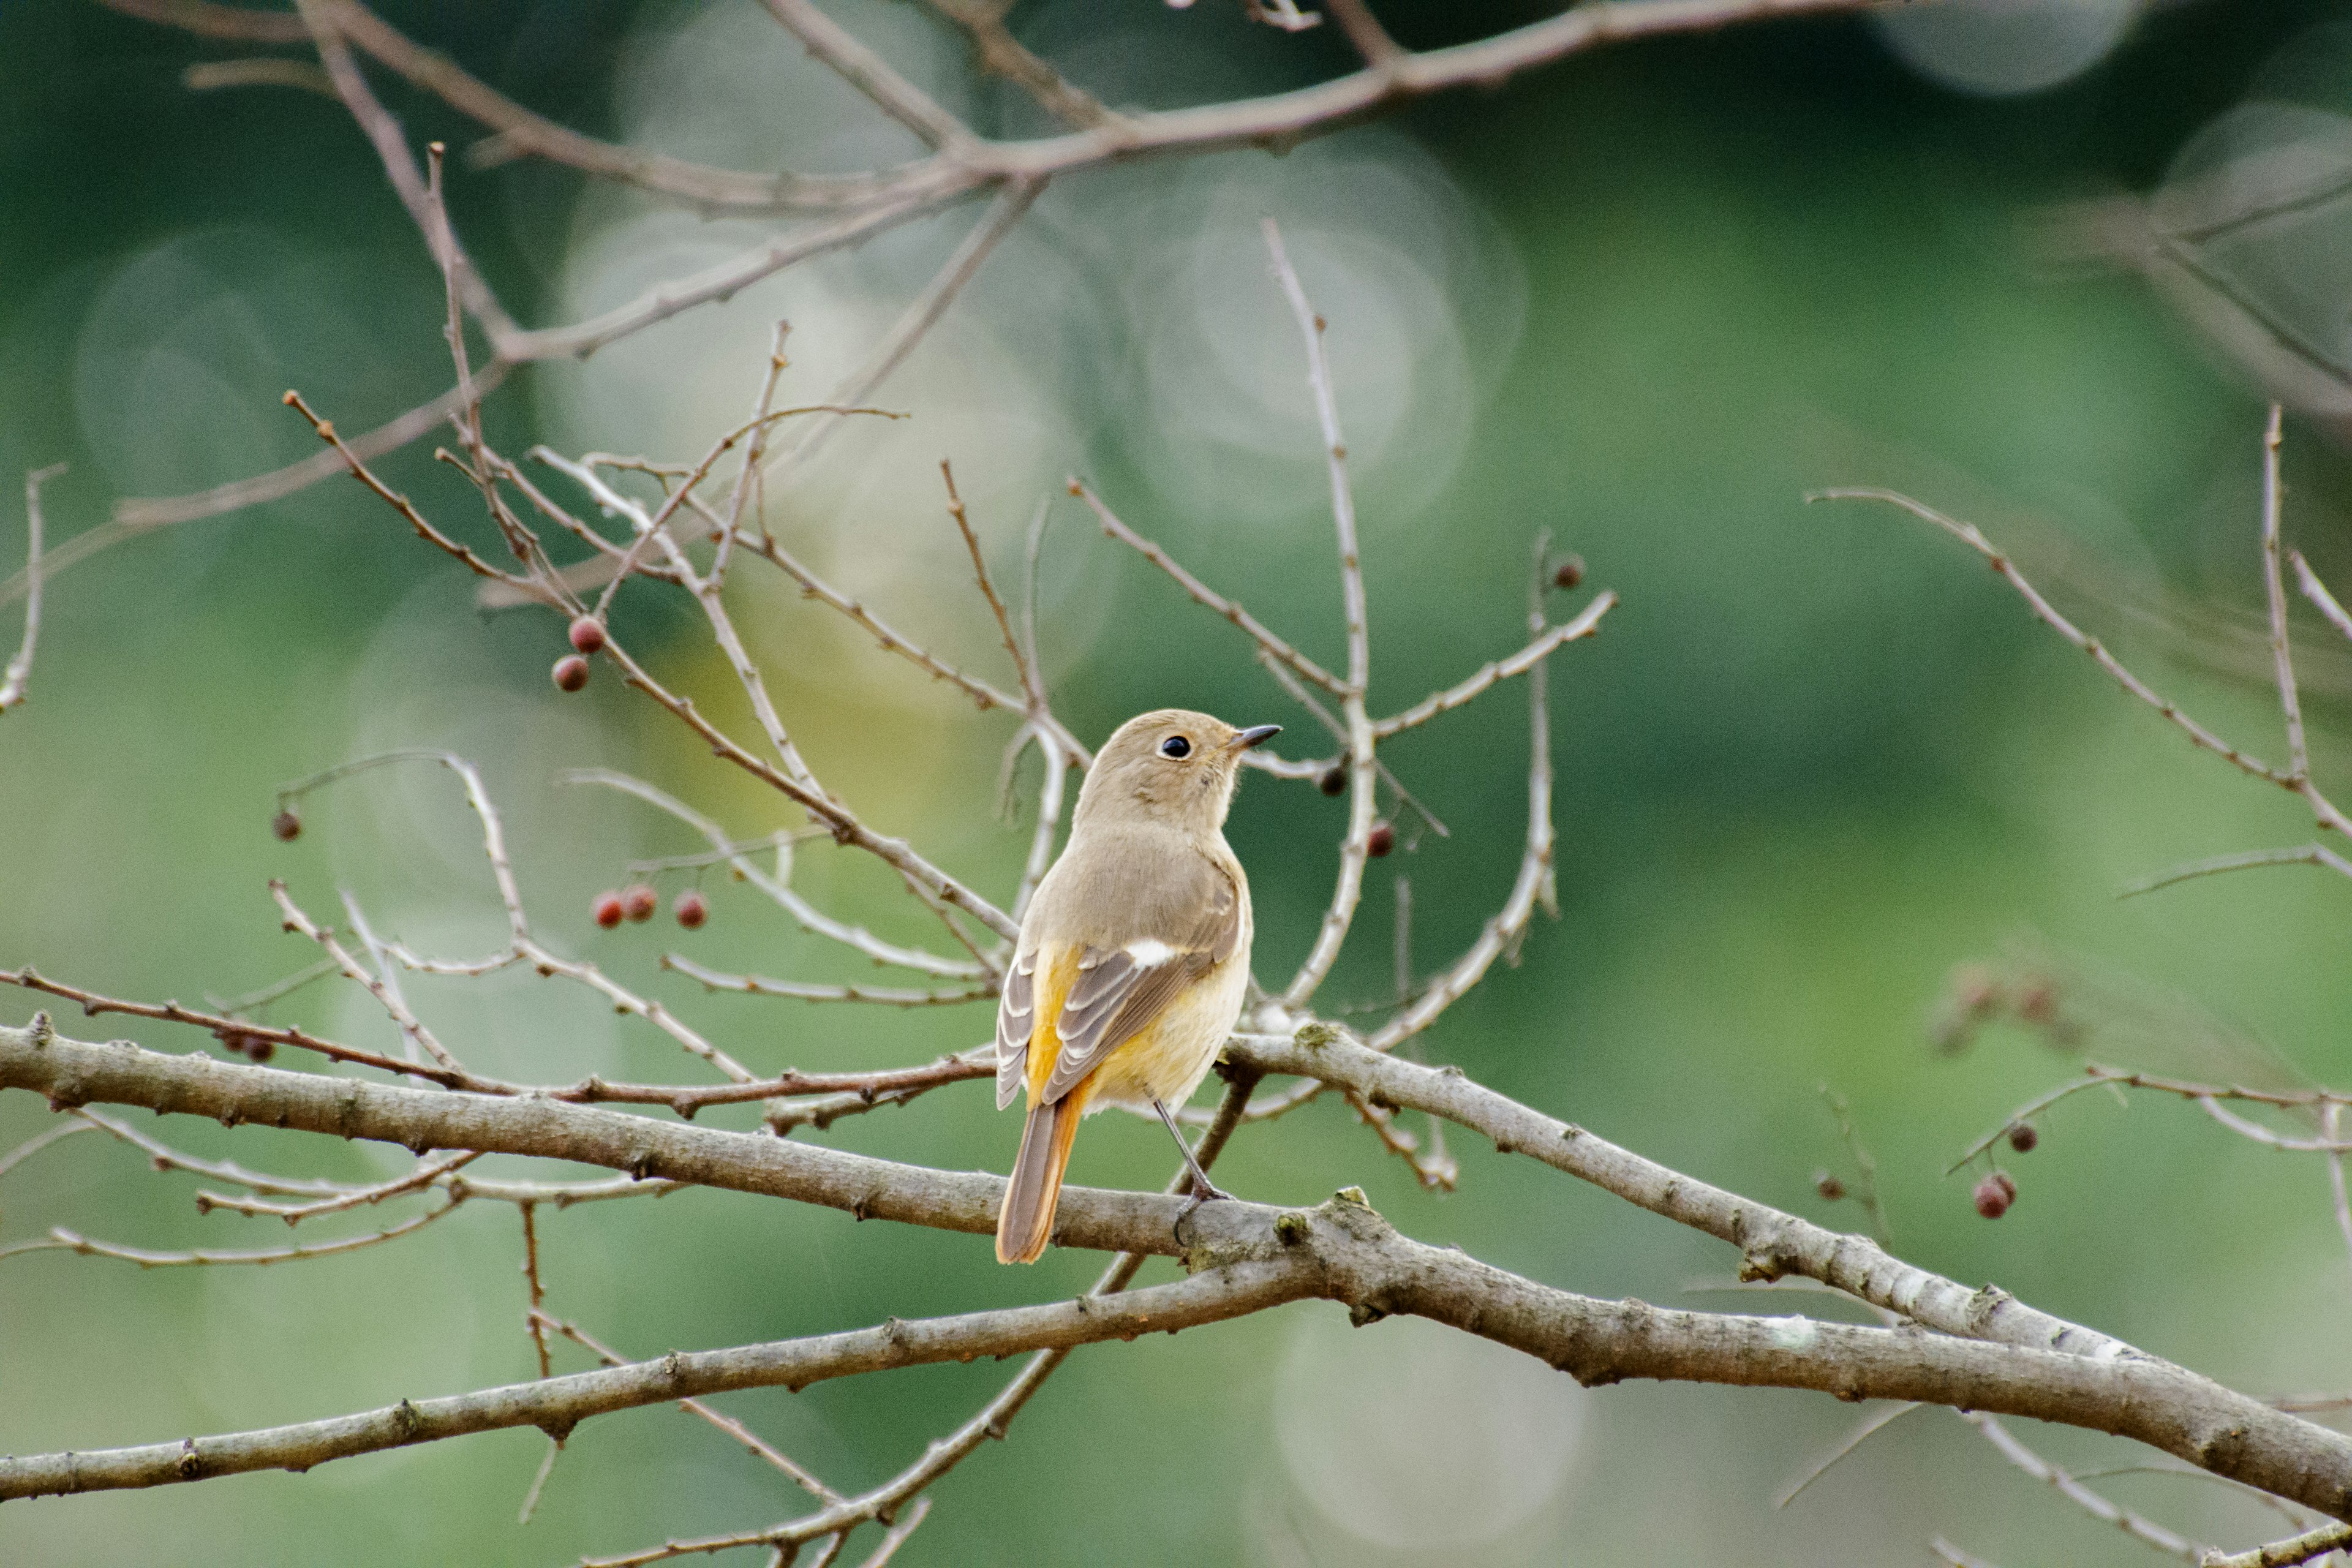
column 637, row 901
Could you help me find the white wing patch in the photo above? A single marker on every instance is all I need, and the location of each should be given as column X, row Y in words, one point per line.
column 1150, row 953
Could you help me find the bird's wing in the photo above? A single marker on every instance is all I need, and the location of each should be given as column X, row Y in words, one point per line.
column 1017, row 1017
column 1118, row 991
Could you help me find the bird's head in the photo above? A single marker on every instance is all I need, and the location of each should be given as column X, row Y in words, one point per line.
column 1169, row 765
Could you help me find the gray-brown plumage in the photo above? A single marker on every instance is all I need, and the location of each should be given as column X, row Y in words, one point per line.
column 1133, row 958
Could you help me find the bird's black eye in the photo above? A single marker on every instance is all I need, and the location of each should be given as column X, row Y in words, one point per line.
column 1175, row 746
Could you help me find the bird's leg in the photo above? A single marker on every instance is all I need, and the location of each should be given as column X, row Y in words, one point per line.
column 1203, row 1189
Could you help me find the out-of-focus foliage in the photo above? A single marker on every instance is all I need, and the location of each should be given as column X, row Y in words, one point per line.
column 1817, row 757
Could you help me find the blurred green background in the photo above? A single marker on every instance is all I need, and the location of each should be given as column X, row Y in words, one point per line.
column 1817, row 757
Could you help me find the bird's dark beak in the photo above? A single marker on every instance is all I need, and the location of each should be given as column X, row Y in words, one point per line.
column 1256, row 736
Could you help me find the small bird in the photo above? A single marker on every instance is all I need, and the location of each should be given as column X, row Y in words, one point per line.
column 1133, row 957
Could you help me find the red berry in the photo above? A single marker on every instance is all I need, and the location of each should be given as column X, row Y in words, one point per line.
column 639, row 901
column 691, row 910
column 570, row 672
column 1994, row 1194
column 587, row 634
column 1334, row 780
column 1382, row 840
column 1569, row 572
column 608, row 910
column 2022, row 1137
column 286, row 825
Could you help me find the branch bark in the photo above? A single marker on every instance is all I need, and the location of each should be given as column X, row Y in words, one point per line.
column 1243, row 1257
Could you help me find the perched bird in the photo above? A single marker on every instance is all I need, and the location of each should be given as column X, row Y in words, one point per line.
column 1133, row 958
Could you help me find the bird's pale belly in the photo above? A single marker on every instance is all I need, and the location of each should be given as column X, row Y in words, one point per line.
column 1169, row 1059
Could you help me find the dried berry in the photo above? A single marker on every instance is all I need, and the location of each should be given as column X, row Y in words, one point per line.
column 1994, row 1194
column 286, row 825
column 1829, row 1186
column 1382, row 840
column 1334, row 780
column 608, row 910
column 691, row 910
column 570, row 672
column 2022, row 1137
column 587, row 634
column 639, row 901
column 259, row 1049
column 1569, row 572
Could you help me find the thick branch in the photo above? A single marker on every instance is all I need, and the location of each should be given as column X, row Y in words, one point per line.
column 1246, row 1255
column 1774, row 1244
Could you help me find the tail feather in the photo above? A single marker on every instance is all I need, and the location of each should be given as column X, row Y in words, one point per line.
column 1026, row 1221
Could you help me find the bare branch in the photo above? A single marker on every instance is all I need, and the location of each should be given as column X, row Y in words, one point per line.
column 759, row 1448
column 885, row 199
column 1204, row 595
column 522, row 586
column 2274, row 591
column 63, row 1240
column 2319, row 1543
column 428, row 1172
column 20, row 668
column 872, row 75
column 1586, row 622
column 1036, row 705
column 1773, row 1243
column 1011, row 205
column 1001, row 54
column 1362, row 804
column 2317, row 592
column 808, row 915
column 761, row 985
column 844, row 823
column 2301, row 855
column 2139, row 1528
column 2198, row 735
column 322, row 18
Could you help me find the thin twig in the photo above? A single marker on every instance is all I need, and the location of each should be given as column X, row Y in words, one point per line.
column 802, row 991
column 20, row 671
column 2274, row 591
column 1586, row 622
column 2301, row 855
column 757, row 1445
column 1871, row 1425
column 2138, row 1526
column 805, row 914
column 2329, row 1537
column 2198, row 735
column 1355, row 849
column 867, row 71
column 1204, row 595
column 2317, row 592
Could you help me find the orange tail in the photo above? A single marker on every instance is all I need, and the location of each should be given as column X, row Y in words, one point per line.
column 1026, row 1221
